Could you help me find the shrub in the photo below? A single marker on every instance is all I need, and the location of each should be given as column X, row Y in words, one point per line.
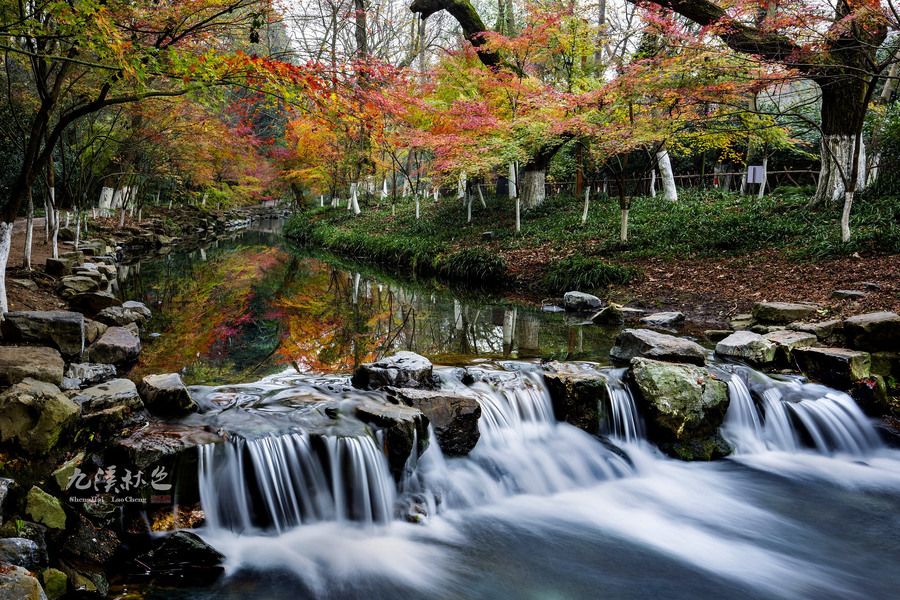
column 580, row 273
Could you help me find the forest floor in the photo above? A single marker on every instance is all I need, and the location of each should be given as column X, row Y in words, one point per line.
column 710, row 255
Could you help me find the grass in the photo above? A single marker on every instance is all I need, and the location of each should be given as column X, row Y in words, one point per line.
column 704, row 223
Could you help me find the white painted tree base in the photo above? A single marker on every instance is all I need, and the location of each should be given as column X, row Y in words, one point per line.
column 5, row 246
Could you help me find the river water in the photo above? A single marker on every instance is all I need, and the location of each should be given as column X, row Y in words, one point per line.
column 808, row 507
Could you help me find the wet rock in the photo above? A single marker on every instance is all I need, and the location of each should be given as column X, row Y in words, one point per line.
column 90, row 303
column 684, row 404
column 182, row 549
column 138, row 308
column 64, row 472
column 116, row 346
column 716, row 335
column 632, row 314
column 665, row 320
column 75, row 257
column 783, row 312
column 822, row 330
column 576, row 395
column 35, row 415
column 403, row 370
column 72, row 285
column 45, row 509
column 30, row 362
column 88, row 543
column 835, row 367
column 55, row 583
column 764, row 329
column 166, row 395
column 581, row 302
column 113, row 393
column 454, row 417
column 886, row 364
column 405, row 430
column 651, row 344
column 87, row 581
column 871, row 395
column 848, row 295
column 118, row 316
column 747, row 346
column 786, row 341
column 20, row 552
column 58, row 267
column 4, row 491
column 34, row 532
column 611, row 315
column 86, row 374
column 17, row 583
column 874, row 331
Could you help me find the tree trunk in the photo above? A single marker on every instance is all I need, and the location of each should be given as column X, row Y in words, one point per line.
column 843, row 111
column 513, row 186
column 5, row 246
column 534, row 181
column 666, row 174
column 29, row 233
column 587, row 200
column 529, row 335
column 623, row 228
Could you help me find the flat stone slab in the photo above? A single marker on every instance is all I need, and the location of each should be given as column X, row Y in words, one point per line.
column 835, row 367
column 848, row 295
column 166, row 395
column 86, row 374
column 403, row 369
column 874, row 331
column 652, row 344
column 63, row 330
column 786, row 341
column 821, row 330
column 668, row 320
column 747, row 346
column 35, row 362
column 90, row 303
column 113, row 393
column 783, row 312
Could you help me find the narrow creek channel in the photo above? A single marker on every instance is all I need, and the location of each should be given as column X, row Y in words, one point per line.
column 304, row 504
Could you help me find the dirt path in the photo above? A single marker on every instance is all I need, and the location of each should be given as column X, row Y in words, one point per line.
column 21, row 298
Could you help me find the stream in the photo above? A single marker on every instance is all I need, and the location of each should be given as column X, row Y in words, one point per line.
column 303, row 505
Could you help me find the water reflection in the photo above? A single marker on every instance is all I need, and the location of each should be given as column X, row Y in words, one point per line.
column 246, row 307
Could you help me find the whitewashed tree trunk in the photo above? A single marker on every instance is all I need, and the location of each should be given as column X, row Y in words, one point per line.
column 48, row 220
column 653, row 183
column 29, row 232
column 666, row 175
column 461, row 187
column 587, row 200
column 122, row 217
column 55, row 212
column 355, row 288
column 417, row 206
column 68, row 215
column 384, row 190
column 845, row 216
column 321, row 201
column 765, row 174
column 533, row 188
column 481, row 196
column 437, row 190
column 623, row 229
column 170, row 203
column 469, row 204
column 203, row 202
column 837, row 158
column 518, row 214
column 5, row 247
column 513, row 180
column 78, row 219
column 509, row 330
column 353, row 203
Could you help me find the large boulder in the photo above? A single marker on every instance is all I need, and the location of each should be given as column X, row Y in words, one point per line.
column 55, row 583
column 454, row 417
column 405, row 430
column 835, row 367
column 577, row 395
column 610, row 315
column 35, row 415
column 45, row 509
column 110, row 394
column 665, row 320
column 72, row 285
column 58, row 266
column 780, row 313
column 403, row 370
column 182, row 549
column 166, row 395
column 747, row 346
column 581, row 302
column 138, row 308
column 118, row 316
column 17, row 583
column 81, row 375
column 90, row 303
column 33, row 532
column 30, row 362
column 874, row 331
column 651, row 344
column 684, row 406
column 88, row 543
column 60, row 329
column 116, row 346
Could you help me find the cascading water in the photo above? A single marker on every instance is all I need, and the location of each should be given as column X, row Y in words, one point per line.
column 625, row 423
column 281, row 481
column 793, row 416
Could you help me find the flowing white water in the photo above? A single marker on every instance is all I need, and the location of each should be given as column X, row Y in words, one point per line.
column 795, row 417
column 627, row 424
column 279, row 482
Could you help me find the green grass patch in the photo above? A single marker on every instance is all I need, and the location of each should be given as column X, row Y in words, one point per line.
column 585, row 274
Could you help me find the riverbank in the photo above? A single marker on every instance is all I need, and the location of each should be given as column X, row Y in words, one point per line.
column 710, row 256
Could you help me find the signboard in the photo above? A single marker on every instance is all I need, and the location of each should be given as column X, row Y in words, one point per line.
column 756, row 174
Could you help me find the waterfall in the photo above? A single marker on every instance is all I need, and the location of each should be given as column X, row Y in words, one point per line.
column 625, row 423
column 791, row 416
column 279, row 482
